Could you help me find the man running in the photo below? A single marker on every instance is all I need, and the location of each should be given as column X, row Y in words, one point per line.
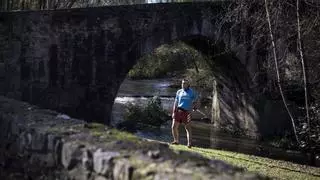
column 184, row 102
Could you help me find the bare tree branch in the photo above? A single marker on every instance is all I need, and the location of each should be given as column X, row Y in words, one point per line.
column 277, row 69
column 303, row 69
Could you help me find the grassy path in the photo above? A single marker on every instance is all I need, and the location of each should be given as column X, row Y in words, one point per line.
column 273, row 168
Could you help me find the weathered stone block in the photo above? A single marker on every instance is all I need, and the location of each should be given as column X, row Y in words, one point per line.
column 72, row 154
column 100, row 178
column 52, row 140
column 122, row 170
column 15, row 129
column 24, row 141
column 39, row 141
column 76, row 155
column 43, row 160
column 102, row 161
column 87, row 160
column 79, row 173
column 58, row 151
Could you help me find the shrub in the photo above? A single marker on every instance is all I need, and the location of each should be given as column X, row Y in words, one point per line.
column 166, row 61
column 138, row 118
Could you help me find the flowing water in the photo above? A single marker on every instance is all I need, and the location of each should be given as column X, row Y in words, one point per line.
column 139, row 91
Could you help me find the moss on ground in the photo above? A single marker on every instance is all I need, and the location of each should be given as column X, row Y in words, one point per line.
column 272, row 168
column 106, row 134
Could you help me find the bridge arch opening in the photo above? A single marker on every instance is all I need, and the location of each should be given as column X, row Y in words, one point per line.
column 230, row 105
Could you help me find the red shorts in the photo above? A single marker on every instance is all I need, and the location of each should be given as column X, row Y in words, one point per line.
column 181, row 116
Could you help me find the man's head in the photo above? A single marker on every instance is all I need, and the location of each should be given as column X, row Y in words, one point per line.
column 185, row 84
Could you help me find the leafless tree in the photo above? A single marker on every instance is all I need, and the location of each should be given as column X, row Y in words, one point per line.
column 277, row 70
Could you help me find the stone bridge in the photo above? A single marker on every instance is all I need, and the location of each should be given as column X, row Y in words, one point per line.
column 75, row 60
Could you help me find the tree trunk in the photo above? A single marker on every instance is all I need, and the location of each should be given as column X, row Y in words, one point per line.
column 304, row 71
column 215, row 109
column 277, row 69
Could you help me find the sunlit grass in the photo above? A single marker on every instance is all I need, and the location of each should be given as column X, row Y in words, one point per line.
column 276, row 169
column 273, row 168
column 121, row 135
column 99, row 130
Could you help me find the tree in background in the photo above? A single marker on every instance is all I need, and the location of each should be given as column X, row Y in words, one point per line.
column 287, row 32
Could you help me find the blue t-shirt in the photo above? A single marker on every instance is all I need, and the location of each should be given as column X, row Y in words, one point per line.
column 185, row 98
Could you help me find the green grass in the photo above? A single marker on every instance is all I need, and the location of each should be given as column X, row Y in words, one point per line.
column 97, row 129
column 120, row 135
column 272, row 168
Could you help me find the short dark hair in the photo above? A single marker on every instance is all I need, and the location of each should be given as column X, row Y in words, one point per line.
column 186, row 80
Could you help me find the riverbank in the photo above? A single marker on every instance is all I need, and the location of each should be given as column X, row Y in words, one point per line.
column 265, row 166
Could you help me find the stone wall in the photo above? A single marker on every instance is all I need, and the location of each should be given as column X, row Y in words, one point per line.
column 43, row 144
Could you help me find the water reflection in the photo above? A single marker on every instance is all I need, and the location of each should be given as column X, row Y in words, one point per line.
column 146, row 88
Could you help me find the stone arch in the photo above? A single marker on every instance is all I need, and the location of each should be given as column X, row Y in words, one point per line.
column 235, row 111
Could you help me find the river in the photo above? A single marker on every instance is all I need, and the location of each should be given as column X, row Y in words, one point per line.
column 139, row 91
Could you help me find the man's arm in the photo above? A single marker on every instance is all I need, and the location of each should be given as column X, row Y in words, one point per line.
column 175, row 104
column 174, row 107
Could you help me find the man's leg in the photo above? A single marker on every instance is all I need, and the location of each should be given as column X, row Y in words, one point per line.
column 188, row 130
column 175, row 131
column 187, row 127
